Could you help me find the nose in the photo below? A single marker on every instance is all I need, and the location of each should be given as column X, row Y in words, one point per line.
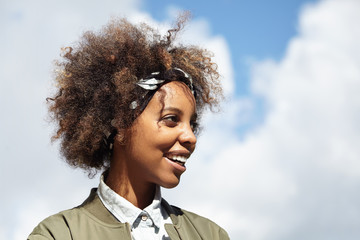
column 187, row 138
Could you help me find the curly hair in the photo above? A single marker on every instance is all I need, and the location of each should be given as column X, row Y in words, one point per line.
column 96, row 82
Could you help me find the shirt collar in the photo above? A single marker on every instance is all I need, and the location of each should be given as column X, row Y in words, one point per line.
column 125, row 211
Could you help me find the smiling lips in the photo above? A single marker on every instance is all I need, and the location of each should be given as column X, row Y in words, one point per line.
column 181, row 160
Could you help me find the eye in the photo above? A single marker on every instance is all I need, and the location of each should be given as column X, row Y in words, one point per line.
column 170, row 120
column 194, row 126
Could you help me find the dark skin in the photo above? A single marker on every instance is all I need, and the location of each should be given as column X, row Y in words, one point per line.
column 123, row 184
column 161, row 133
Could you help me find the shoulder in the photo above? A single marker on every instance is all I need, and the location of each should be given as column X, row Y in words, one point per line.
column 193, row 224
column 82, row 222
column 205, row 226
column 56, row 226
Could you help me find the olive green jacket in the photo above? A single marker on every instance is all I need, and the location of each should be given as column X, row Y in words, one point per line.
column 91, row 220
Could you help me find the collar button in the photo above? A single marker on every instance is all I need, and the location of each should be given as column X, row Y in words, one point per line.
column 144, row 217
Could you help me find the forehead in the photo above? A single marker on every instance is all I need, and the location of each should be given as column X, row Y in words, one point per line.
column 175, row 93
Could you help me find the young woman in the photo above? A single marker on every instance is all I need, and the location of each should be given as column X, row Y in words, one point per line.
column 128, row 102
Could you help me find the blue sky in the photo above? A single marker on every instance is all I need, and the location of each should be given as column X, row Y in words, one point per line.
column 253, row 29
column 280, row 161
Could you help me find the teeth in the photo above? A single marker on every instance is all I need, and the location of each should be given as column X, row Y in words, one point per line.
column 179, row 158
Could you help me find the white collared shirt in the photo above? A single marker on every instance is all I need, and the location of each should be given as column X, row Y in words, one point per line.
column 145, row 224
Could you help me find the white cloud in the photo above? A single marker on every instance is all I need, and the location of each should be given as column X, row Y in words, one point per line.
column 199, row 34
column 296, row 176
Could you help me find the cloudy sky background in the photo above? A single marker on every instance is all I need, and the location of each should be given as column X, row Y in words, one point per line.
column 281, row 161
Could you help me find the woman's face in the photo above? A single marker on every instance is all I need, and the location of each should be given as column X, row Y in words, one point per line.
column 162, row 137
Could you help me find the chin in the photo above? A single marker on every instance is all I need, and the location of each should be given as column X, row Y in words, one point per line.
column 170, row 184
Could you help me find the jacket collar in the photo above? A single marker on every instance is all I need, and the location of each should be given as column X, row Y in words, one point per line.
column 94, row 206
column 180, row 229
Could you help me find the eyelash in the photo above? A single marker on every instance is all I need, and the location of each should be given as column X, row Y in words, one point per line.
column 172, row 120
column 194, row 126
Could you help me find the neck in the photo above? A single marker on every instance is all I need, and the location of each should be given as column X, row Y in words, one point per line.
column 130, row 187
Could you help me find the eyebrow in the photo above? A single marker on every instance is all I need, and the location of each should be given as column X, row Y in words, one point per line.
column 178, row 111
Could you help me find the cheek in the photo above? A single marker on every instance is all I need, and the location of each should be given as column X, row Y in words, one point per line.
column 161, row 139
column 165, row 138
column 147, row 138
column 150, row 137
